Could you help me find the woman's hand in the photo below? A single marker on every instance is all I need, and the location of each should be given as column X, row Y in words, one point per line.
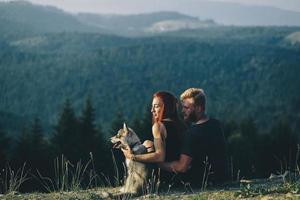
column 127, row 152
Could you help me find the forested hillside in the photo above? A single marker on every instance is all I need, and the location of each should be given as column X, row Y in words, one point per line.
column 244, row 75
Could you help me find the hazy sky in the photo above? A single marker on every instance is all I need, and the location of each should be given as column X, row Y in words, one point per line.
column 130, row 6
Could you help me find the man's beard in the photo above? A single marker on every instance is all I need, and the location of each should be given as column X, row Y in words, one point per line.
column 192, row 117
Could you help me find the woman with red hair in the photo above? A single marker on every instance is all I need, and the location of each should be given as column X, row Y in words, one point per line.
column 167, row 131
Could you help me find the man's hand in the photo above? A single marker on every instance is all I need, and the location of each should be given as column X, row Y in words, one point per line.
column 181, row 165
column 166, row 166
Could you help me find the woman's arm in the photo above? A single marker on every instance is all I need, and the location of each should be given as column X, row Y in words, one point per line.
column 159, row 132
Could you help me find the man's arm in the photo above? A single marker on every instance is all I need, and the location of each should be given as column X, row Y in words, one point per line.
column 181, row 165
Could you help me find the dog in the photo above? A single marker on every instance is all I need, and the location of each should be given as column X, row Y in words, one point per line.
column 136, row 171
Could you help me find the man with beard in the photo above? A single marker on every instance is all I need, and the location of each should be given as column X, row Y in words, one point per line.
column 203, row 158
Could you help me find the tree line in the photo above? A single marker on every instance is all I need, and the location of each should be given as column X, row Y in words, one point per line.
column 251, row 153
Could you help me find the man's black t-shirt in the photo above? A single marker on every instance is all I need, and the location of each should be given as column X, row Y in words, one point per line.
column 206, row 142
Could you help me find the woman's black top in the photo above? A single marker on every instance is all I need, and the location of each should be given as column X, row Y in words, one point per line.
column 172, row 141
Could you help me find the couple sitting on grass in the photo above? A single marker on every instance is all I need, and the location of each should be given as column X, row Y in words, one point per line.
column 185, row 155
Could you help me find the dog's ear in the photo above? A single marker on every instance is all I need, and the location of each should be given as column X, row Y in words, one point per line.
column 125, row 127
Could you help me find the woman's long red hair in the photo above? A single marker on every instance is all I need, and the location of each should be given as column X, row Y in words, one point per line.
column 169, row 107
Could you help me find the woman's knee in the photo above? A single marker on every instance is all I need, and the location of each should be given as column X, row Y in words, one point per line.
column 149, row 145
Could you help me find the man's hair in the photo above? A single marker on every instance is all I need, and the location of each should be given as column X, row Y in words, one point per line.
column 195, row 93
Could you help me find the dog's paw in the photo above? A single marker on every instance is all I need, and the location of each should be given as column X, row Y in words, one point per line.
column 106, row 195
column 122, row 189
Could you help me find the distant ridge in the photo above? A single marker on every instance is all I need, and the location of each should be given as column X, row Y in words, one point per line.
column 240, row 15
column 145, row 22
column 21, row 18
column 221, row 12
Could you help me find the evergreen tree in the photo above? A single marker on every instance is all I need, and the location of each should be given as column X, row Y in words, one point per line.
column 117, row 122
column 147, row 124
column 229, row 128
column 32, row 149
column 66, row 138
column 277, row 150
column 136, row 125
column 242, row 148
column 4, row 148
column 265, row 156
column 40, row 155
column 142, row 125
column 284, row 145
column 37, row 133
column 22, row 150
column 88, row 132
column 118, row 170
column 249, row 133
column 103, row 154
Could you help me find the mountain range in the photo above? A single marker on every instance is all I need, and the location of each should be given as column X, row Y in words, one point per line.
column 197, row 14
column 222, row 12
column 26, row 19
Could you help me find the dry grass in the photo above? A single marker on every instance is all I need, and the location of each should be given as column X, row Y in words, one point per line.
column 111, row 193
